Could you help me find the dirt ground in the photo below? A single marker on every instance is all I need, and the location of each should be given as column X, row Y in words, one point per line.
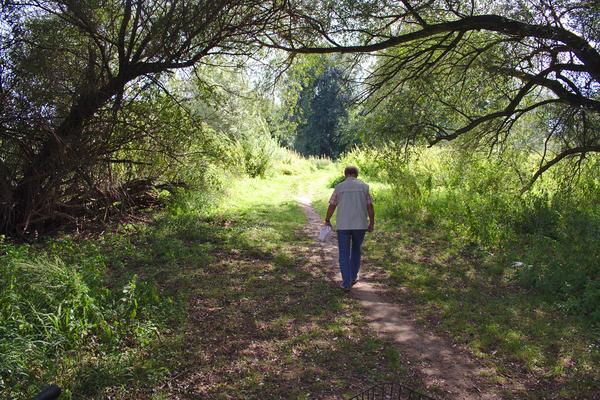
column 445, row 368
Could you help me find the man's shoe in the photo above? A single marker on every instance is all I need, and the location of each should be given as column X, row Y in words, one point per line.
column 344, row 288
column 354, row 282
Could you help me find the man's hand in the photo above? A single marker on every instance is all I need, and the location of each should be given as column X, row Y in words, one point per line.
column 328, row 223
column 371, row 227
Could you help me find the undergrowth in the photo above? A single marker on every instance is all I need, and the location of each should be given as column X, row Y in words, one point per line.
column 548, row 238
column 512, row 276
column 218, row 286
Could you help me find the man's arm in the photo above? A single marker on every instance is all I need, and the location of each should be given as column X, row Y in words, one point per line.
column 330, row 211
column 371, row 212
column 331, row 208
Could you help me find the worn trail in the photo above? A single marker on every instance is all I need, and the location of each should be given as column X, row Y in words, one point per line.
column 443, row 366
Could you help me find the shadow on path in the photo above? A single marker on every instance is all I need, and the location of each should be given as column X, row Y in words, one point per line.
column 443, row 366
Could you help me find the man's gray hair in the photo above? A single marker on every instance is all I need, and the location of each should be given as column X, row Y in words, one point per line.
column 351, row 170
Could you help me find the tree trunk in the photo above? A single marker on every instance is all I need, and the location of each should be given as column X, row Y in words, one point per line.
column 36, row 195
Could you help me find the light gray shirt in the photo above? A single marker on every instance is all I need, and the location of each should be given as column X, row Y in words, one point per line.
column 351, row 198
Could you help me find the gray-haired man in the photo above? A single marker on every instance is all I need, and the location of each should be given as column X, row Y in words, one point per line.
column 353, row 202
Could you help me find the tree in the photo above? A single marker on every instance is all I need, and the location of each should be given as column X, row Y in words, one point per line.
column 507, row 59
column 321, row 111
column 71, row 67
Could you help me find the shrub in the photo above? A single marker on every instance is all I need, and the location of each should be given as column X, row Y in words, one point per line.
column 257, row 155
column 53, row 305
column 553, row 230
column 337, row 179
column 369, row 162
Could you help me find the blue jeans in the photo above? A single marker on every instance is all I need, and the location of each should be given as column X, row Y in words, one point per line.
column 349, row 244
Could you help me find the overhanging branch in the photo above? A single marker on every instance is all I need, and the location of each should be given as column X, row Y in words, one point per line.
column 494, row 23
column 582, row 150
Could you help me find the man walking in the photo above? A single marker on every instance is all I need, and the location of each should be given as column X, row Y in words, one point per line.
column 353, row 202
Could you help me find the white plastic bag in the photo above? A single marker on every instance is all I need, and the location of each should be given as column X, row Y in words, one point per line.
column 324, row 233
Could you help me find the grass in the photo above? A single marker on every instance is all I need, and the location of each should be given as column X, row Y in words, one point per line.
column 212, row 300
column 470, row 295
column 460, row 290
column 448, row 235
column 225, row 298
column 265, row 322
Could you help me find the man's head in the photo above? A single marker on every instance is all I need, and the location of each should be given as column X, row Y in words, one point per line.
column 351, row 170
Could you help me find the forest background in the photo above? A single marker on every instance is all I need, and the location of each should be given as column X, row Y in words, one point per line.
column 122, row 122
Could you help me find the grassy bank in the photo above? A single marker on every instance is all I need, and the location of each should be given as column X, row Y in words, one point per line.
column 215, row 298
column 480, row 266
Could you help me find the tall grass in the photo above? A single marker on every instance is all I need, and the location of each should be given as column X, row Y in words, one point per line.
column 83, row 313
column 56, row 307
column 550, row 235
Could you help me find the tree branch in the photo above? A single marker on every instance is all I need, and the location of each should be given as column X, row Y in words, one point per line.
column 582, row 150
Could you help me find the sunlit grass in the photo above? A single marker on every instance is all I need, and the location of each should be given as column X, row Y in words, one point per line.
column 467, row 294
column 230, row 306
column 253, row 318
column 463, row 290
column 289, row 333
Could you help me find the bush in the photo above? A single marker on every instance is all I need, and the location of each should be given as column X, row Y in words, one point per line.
column 335, row 181
column 370, row 162
column 257, row 155
column 553, row 230
column 51, row 306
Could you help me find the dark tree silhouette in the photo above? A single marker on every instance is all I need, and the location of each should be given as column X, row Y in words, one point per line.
column 323, row 105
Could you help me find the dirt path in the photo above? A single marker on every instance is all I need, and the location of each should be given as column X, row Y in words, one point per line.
column 442, row 365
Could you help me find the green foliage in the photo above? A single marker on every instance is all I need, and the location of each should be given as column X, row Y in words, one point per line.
column 370, row 163
column 263, row 308
column 257, row 155
column 317, row 99
column 320, row 162
column 289, row 162
column 549, row 235
column 337, row 179
column 513, row 277
column 95, row 316
column 56, row 307
column 237, row 115
column 177, row 145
